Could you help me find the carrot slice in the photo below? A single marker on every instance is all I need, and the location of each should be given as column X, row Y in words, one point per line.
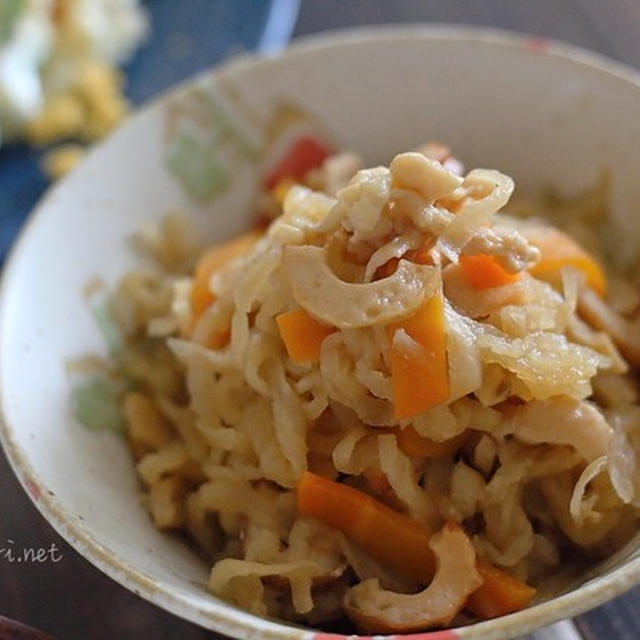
column 499, row 594
column 413, row 444
column 217, row 339
column 211, row 261
column 559, row 250
column 485, row 272
column 420, row 375
column 390, row 537
column 302, row 335
column 304, row 154
column 398, row 541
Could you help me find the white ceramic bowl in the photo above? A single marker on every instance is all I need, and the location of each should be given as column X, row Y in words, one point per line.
column 545, row 113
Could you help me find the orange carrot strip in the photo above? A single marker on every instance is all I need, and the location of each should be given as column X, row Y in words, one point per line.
column 559, row 250
column 499, row 594
column 201, row 295
column 302, row 335
column 388, row 536
column 211, row 261
column 420, row 376
column 372, row 525
column 217, row 339
column 413, row 444
column 214, row 339
column 485, row 272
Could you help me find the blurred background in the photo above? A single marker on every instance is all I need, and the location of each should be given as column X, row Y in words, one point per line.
column 70, row 71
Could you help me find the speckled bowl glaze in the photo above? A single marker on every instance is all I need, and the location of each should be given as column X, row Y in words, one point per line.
column 545, row 113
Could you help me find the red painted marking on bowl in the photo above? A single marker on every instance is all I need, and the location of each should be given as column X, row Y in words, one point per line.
column 305, row 153
column 338, row 636
column 537, row 45
column 445, row 634
column 33, row 489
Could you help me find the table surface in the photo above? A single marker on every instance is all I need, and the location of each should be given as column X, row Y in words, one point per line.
column 70, row 599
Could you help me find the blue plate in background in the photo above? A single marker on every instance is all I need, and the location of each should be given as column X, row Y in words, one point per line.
column 186, row 37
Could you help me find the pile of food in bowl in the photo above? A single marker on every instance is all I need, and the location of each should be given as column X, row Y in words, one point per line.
column 394, row 403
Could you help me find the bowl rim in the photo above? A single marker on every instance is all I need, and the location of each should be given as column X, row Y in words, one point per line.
column 218, row 615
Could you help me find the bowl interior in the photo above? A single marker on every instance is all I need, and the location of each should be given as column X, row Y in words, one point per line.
column 546, row 115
